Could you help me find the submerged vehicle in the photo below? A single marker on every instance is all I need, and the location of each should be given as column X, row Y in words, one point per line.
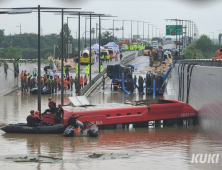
column 45, row 90
column 42, row 129
column 84, row 129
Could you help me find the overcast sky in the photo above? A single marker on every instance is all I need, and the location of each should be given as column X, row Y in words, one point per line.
column 206, row 15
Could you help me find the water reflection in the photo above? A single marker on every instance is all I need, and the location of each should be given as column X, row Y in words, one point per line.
column 155, row 147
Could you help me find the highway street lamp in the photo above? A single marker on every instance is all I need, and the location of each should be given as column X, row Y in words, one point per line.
column 160, row 33
column 114, row 28
column 213, row 36
column 138, row 28
column 20, row 26
column 132, row 28
column 86, row 28
column 123, row 28
column 219, row 33
column 68, row 34
column 100, row 16
column 143, row 28
column 149, row 30
column 152, row 30
column 156, row 31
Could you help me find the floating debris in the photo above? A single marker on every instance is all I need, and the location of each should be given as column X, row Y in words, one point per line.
column 50, row 157
column 95, row 155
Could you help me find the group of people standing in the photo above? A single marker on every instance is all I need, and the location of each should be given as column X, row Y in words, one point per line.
column 52, row 84
column 108, row 57
column 27, row 80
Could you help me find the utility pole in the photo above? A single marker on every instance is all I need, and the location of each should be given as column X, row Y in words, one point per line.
column 213, row 36
column 85, row 30
column 113, row 29
column 20, row 26
column 96, row 32
column 124, row 26
column 152, row 30
column 131, row 30
column 149, row 30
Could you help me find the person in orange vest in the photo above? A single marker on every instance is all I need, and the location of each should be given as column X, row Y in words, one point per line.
column 111, row 57
column 31, row 121
column 42, row 81
column 116, row 57
column 26, row 83
column 22, row 75
column 58, row 80
column 219, row 55
column 81, row 82
column 37, row 117
column 65, row 84
column 85, row 80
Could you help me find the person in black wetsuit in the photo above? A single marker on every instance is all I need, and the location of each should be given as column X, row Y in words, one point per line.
column 59, row 114
column 52, row 106
column 72, row 120
column 31, row 121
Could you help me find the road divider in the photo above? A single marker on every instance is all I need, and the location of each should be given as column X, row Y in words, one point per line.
column 86, row 90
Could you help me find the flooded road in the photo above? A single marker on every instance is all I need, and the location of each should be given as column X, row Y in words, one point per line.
column 119, row 149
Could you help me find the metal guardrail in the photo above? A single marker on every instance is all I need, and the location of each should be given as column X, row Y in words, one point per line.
column 202, row 62
column 140, row 52
column 128, row 58
column 86, row 90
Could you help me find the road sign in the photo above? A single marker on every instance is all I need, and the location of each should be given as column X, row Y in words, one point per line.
column 174, row 30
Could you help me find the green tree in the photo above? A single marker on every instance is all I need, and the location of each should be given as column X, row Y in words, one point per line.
column 70, row 39
column 1, row 36
column 107, row 37
column 188, row 54
column 12, row 52
column 204, row 44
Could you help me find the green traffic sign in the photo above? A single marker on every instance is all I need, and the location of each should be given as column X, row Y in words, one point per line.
column 174, row 29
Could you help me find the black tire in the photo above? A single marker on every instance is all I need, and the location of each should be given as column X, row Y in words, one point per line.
column 92, row 134
column 71, row 134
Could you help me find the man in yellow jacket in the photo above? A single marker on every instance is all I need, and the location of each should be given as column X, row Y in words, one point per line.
column 101, row 68
column 77, row 68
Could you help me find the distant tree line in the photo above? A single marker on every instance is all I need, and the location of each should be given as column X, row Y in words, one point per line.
column 25, row 45
column 202, row 48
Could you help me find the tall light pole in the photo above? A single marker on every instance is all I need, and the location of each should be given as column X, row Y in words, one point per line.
column 156, row 31
column 143, row 28
column 68, row 35
column 132, row 28
column 123, row 28
column 149, row 30
column 160, row 33
column 219, row 34
column 152, row 30
column 20, row 26
column 213, row 36
column 139, row 29
column 114, row 27
column 86, row 28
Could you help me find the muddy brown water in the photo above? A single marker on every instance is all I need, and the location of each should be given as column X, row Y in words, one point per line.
column 119, row 149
